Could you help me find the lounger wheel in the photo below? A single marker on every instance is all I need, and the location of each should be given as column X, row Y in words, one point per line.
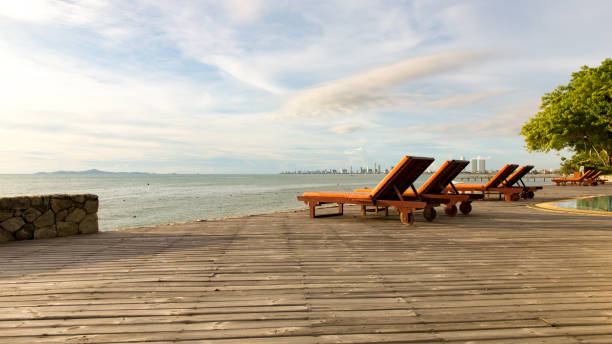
column 451, row 211
column 465, row 207
column 429, row 213
column 524, row 194
column 530, row 194
column 407, row 218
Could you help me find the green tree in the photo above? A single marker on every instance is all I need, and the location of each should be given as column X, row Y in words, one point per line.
column 576, row 117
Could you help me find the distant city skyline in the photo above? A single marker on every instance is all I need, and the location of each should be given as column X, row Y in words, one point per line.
column 264, row 86
column 477, row 165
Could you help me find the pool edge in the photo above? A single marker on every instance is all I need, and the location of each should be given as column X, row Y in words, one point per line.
column 552, row 207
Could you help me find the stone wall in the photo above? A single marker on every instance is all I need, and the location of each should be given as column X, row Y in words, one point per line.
column 47, row 216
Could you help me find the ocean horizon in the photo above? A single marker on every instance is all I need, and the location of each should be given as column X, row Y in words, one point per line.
column 135, row 200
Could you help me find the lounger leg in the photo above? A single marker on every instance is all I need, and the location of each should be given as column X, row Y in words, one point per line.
column 312, row 206
column 386, row 211
column 512, row 197
column 363, row 210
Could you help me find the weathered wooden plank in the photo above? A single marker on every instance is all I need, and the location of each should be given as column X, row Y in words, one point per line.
column 505, row 274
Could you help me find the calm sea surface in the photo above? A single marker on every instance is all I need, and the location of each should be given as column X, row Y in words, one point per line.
column 144, row 200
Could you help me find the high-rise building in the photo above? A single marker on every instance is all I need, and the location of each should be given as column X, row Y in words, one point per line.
column 462, row 158
column 474, row 165
column 481, row 165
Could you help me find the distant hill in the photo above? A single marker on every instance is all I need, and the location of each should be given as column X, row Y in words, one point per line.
column 93, row 171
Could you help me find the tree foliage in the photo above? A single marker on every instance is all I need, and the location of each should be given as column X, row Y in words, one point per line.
column 577, row 117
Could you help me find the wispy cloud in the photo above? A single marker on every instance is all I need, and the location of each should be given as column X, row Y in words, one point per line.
column 371, row 89
column 353, row 151
column 505, row 122
column 508, row 121
column 243, row 12
column 347, row 128
column 465, row 99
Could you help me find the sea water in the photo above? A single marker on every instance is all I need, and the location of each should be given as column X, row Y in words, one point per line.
column 134, row 200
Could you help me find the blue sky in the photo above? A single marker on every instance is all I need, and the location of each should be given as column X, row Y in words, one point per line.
column 260, row 87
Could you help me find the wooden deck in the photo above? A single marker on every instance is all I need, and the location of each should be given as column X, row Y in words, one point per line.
column 506, row 274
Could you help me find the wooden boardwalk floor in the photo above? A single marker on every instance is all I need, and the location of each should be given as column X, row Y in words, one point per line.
column 505, row 274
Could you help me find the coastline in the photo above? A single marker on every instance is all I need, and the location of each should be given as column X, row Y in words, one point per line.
column 533, row 204
column 129, row 201
column 304, row 208
column 272, row 212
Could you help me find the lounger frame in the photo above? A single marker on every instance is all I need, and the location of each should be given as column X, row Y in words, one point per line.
column 493, row 186
column 433, row 192
column 516, row 180
column 388, row 193
column 582, row 180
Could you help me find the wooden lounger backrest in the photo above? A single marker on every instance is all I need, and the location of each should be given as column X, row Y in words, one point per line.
column 516, row 176
column 596, row 175
column 587, row 174
column 443, row 176
column 501, row 175
column 401, row 177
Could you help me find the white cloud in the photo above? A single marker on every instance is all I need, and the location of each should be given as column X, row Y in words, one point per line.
column 264, row 44
column 29, row 10
column 353, row 151
column 347, row 128
column 465, row 99
column 506, row 122
column 45, row 11
column 369, row 90
column 240, row 70
column 243, row 12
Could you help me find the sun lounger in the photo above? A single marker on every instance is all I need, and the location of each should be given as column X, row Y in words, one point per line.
column 574, row 180
column 595, row 179
column 516, row 180
column 433, row 190
column 388, row 193
column 494, row 185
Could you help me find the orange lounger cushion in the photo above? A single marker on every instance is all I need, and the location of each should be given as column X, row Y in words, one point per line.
column 339, row 194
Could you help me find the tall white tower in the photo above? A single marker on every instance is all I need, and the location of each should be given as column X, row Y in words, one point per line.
column 481, row 165
column 474, row 165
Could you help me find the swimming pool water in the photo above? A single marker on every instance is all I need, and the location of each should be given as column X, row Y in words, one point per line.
column 597, row 203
